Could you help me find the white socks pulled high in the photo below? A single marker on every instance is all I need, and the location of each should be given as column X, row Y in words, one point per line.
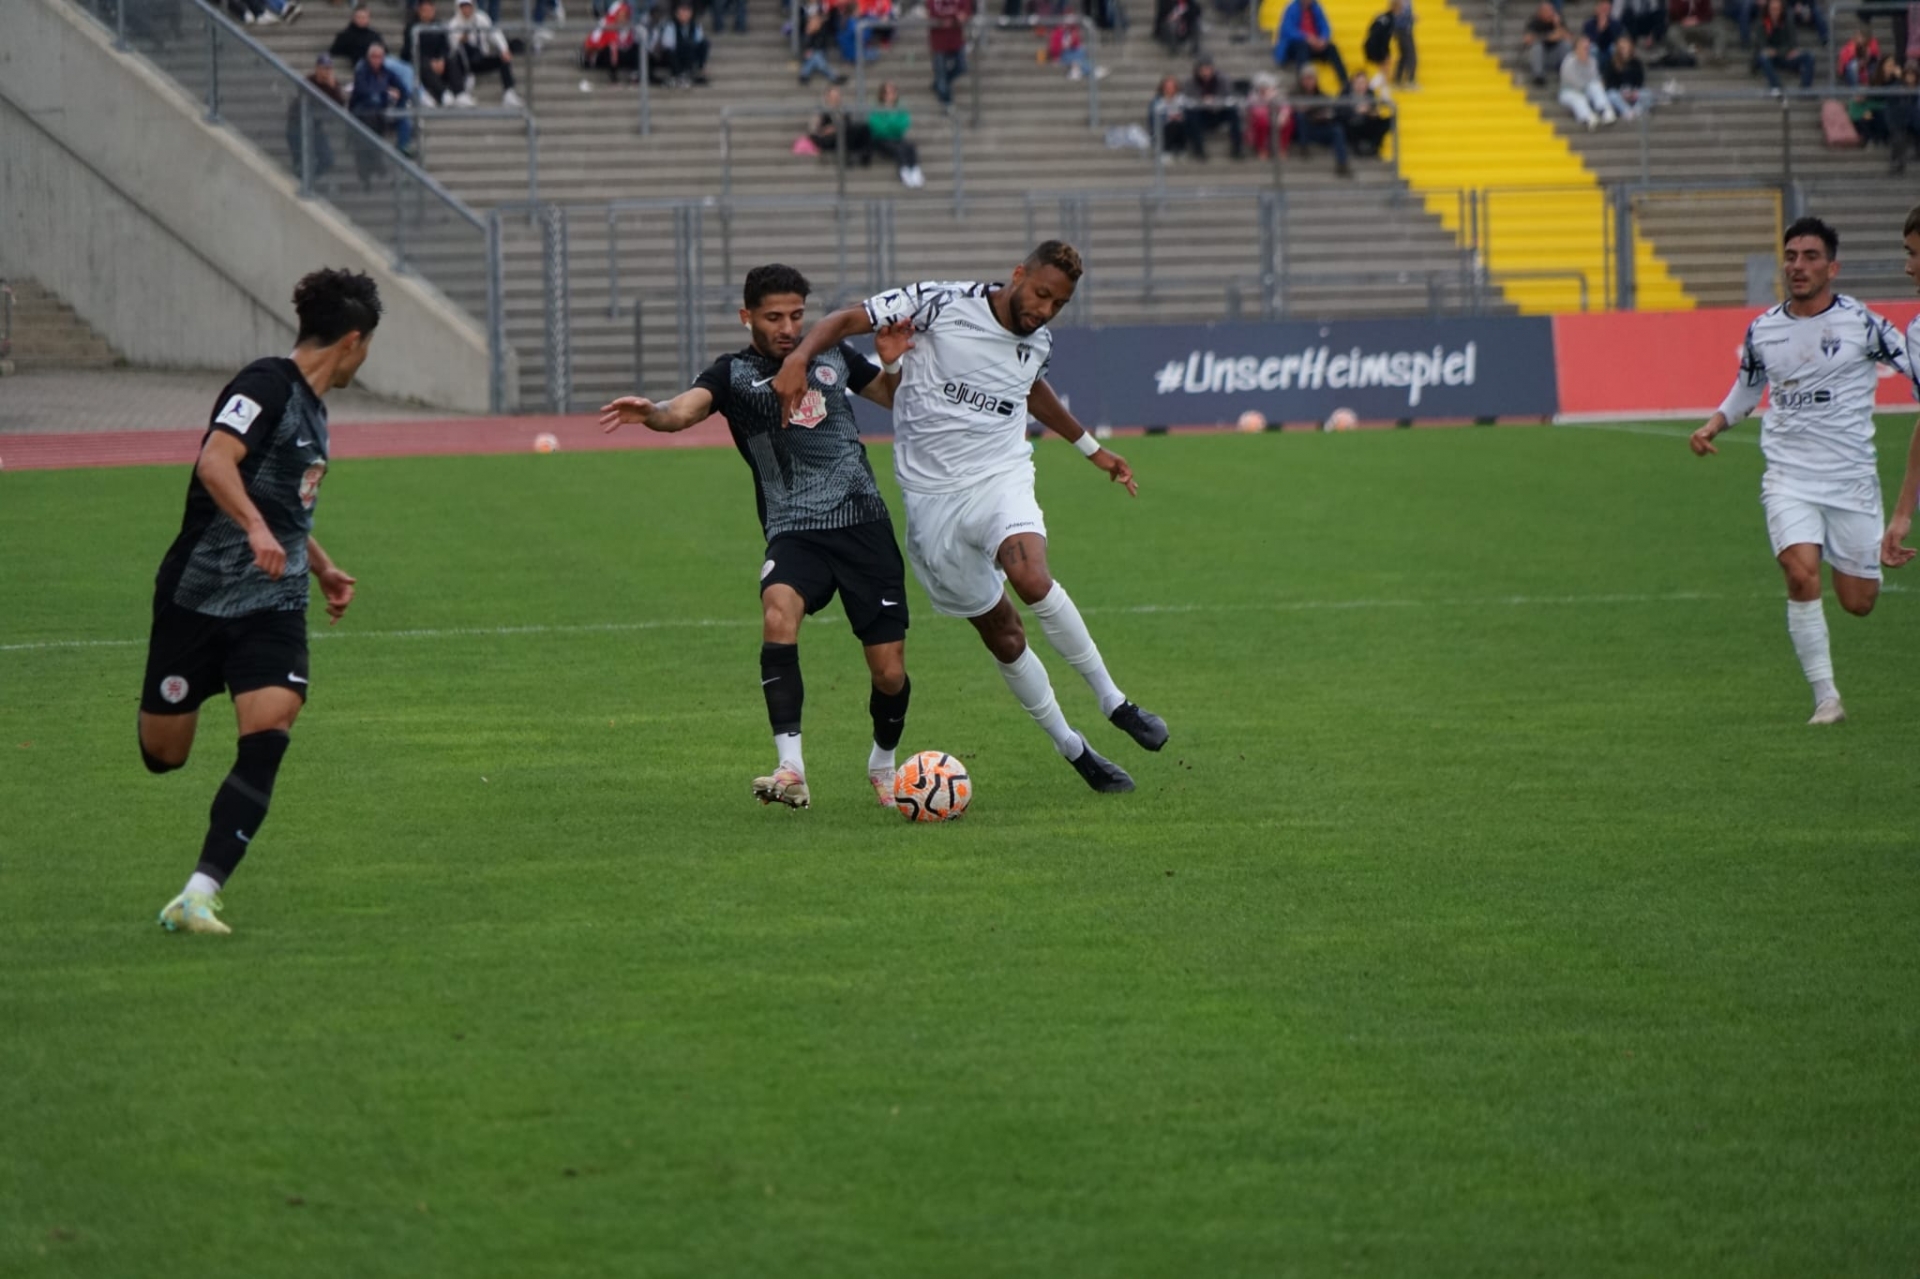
column 1067, row 632
column 1807, row 624
column 1028, row 680
column 786, row 748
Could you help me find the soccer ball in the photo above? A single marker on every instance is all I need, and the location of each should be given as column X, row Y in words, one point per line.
column 1253, row 421
column 933, row 786
column 545, row 442
column 1342, row 420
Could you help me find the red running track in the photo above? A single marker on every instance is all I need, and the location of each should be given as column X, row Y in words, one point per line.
column 48, row 452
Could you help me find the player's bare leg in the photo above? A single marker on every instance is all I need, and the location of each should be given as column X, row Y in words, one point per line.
column 1006, row 639
column 167, row 740
column 265, row 717
column 1023, row 557
column 887, row 663
column 782, row 610
column 1807, row 626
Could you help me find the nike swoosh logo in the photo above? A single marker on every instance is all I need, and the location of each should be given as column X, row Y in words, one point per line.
column 301, row 443
column 765, row 682
column 242, row 837
column 763, row 381
column 298, row 679
column 889, row 603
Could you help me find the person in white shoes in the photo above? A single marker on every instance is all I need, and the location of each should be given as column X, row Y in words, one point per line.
column 483, row 49
column 968, row 381
column 1816, row 355
column 1894, row 552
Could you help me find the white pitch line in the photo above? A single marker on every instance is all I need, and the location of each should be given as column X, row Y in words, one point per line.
column 703, row 623
column 1676, row 434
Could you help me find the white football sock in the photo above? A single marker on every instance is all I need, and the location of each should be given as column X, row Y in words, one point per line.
column 199, row 883
column 1807, row 625
column 878, row 758
column 1067, row 632
column 787, row 747
column 1028, row 680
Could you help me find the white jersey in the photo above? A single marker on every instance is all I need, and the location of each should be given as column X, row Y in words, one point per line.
column 1820, row 373
column 960, row 413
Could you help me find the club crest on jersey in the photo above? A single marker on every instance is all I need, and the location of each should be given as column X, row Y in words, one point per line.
column 310, row 484
column 1829, row 344
column 1026, row 351
column 812, row 411
column 173, row 690
column 825, row 375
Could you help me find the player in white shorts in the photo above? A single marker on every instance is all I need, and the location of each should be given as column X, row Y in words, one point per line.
column 1893, row 549
column 968, row 381
column 1816, row 356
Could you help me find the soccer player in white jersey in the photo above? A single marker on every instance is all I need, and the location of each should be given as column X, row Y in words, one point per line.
column 970, row 377
column 1894, row 551
column 1816, row 356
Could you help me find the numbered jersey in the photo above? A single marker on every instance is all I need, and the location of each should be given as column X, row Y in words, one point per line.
column 209, row 568
column 960, row 413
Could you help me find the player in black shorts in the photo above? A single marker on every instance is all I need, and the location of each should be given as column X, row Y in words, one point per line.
column 230, row 601
column 828, row 529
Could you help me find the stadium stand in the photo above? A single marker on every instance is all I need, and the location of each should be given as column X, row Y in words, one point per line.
column 45, row 333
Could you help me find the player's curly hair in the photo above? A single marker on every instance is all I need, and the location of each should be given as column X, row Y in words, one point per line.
column 332, row 304
column 764, row 282
column 1058, row 254
column 1818, row 228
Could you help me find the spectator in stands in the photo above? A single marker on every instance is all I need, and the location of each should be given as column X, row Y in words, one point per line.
column 947, row 44
column 1369, row 119
column 611, row 44
column 1176, row 23
column 1624, row 78
column 1580, row 89
column 1211, row 99
column 819, row 32
column 1903, row 119
column 1305, row 37
column 684, row 41
column 825, row 134
column 1389, row 31
column 1317, row 121
column 327, row 85
column 1860, row 57
column 349, row 48
column 738, row 8
column 1778, row 48
column 376, row 91
column 442, row 76
column 887, row 126
column 1269, row 118
column 1651, row 24
column 1603, row 30
column 1546, row 41
column 1811, row 13
column 878, row 17
column 483, row 49
column 1067, row 46
column 264, row 12
column 1869, row 111
column 1167, row 120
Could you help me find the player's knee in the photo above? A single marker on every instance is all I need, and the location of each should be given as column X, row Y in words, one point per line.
column 1803, row 584
column 1859, row 605
column 164, row 762
column 1032, row 585
column 777, row 627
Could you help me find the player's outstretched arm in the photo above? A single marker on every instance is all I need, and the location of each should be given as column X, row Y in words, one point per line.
column 1701, row 441
column 1893, row 551
column 1056, row 417
column 790, row 383
column 689, row 408
column 891, row 342
column 219, row 469
column 335, row 586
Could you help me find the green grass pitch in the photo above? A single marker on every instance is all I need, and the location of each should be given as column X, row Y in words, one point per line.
column 1491, row 912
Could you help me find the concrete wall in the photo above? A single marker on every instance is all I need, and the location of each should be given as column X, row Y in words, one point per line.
column 179, row 242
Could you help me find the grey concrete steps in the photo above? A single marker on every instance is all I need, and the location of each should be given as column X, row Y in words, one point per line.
column 47, row 334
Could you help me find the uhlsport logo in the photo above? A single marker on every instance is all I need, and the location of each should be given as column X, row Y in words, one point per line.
column 973, row 398
column 174, row 689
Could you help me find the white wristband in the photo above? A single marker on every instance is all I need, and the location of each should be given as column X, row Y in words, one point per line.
column 1087, row 444
column 893, row 367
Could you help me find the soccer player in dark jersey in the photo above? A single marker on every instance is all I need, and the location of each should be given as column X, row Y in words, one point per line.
column 230, row 601
column 827, row 527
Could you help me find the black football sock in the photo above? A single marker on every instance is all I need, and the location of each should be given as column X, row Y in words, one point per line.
column 240, row 805
column 889, row 711
column 785, row 693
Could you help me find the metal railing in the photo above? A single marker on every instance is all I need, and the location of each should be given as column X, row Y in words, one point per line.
column 841, row 154
column 1040, row 22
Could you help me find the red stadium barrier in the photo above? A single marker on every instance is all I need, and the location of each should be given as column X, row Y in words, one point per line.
column 1671, row 363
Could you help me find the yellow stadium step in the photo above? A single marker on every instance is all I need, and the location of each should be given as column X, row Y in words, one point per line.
column 1544, row 219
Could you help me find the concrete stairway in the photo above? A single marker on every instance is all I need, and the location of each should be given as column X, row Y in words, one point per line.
column 47, row 334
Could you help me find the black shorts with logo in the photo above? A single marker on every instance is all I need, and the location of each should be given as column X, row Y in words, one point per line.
column 193, row 656
column 862, row 562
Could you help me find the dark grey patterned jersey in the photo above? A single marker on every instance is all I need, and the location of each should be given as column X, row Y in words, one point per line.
column 209, row 568
column 813, row 473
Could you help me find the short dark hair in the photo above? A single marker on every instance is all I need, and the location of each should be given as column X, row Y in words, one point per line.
column 332, row 304
column 765, row 281
column 1913, row 223
column 1059, row 255
column 1815, row 227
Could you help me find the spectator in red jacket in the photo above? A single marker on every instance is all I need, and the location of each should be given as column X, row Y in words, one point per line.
column 947, row 43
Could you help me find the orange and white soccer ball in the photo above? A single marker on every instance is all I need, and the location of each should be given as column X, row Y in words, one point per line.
column 1252, row 421
column 545, row 442
column 1342, row 420
column 933, row 786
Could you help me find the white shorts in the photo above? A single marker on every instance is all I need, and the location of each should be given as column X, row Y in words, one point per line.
column 953, row 539
column 1849, row 538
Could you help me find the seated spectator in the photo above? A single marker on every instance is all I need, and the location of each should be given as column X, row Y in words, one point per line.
column 878, row 17
column 1651, row 24
column 1859, row 57
column 825, row 133
column 611, row 44
column 1212, row 106
column 1067, row 46
column 1778, row 48
column 376, row 91
column 1810, row 13
column 1269, row 118
column 1624, row 78
column 327, row 85
column 349, row 48
column 1369, row 118
column 1580, row 89
column 1306, row 37
column 1167, row 121
column 1177, row 23
column 1869, row 111
column 738, row 8
column 684, row 42
column 1317, row 122
column 819, row 32
column 887, row 126
column 853, row 48
column 947, row 44
column 1546, row 41
column 442, row 76
column 1603, row 30
column 483, row 49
